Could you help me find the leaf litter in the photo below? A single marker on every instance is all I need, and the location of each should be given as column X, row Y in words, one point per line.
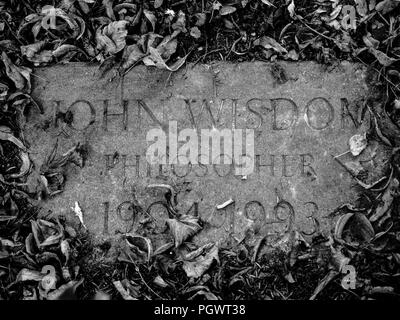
column 51, row 258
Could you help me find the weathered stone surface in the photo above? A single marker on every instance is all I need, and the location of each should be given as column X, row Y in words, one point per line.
column 299, row 126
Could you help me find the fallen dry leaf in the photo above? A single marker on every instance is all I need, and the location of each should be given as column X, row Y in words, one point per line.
column 124, row 293
column 141, row 244
column 197, row 266
column 132, row 55
column 382, row 57
column 29, row 275
column 65, row 292
column 387, row 6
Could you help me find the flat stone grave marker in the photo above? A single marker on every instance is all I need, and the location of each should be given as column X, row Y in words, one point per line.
column 299, row 125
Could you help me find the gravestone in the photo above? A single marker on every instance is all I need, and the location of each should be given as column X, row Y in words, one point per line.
column 300, row 123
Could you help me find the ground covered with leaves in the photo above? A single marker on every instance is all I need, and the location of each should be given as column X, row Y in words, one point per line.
column 45, row 258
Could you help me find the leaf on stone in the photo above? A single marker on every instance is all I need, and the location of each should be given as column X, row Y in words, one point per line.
column 270, row 43
column 21, row 76
column 358, row 143
column 195, row 32
column 141, row 244
column 382, row 57
column 183, row 228
column 225, row 10
column 45, row 233
column 158, row 3
column 112, row 38
column 35, row 53
column 198, row 265
column 159, row 281
column 291, row 8
column 25, row 166
column 64, row 49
